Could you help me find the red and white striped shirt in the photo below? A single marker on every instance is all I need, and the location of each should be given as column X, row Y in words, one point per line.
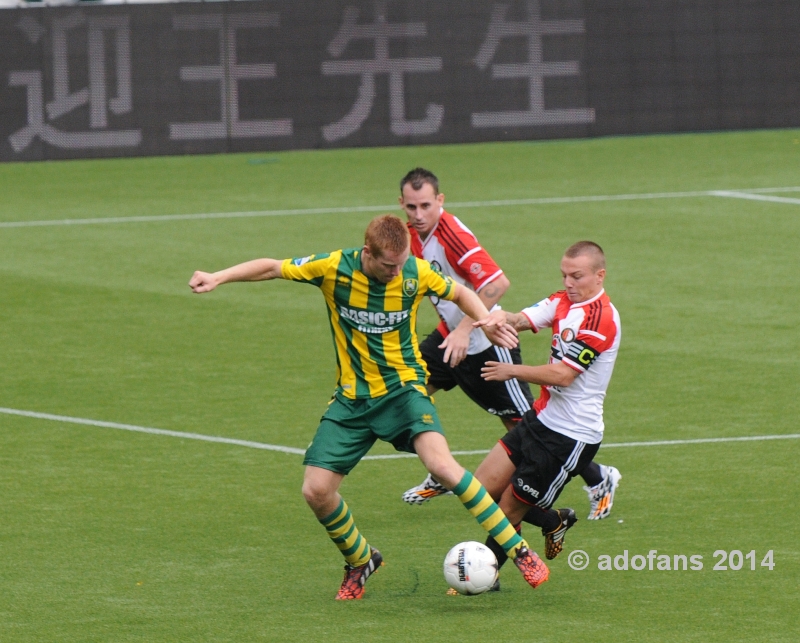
column 586, row 338
column 453, row 250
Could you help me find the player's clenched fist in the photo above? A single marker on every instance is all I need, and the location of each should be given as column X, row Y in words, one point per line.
column 202, row 282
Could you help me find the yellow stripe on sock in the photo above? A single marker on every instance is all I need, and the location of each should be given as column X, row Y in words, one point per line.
column 508, row 534
column 472, row 491
column 482, row 506
column 495, row 519
column 360, row 558
column 347, row 544
column 333, row 519
column 341, row 531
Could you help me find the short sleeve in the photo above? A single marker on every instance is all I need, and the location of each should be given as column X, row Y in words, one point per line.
column 542, row 314
column 309, row 270
column 434, row 283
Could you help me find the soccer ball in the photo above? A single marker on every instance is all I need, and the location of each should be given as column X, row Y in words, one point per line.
column 470, row 568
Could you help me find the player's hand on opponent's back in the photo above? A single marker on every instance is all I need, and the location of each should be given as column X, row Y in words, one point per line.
column 497, row 371
column 455, row 346
column 202, row 282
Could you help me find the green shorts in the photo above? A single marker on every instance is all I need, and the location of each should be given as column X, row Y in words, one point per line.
column 349, row 428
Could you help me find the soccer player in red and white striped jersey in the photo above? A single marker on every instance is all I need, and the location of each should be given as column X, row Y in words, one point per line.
column 556, row 440
column 456, row 352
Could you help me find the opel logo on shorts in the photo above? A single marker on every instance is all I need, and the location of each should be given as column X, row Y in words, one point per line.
column 520, row 482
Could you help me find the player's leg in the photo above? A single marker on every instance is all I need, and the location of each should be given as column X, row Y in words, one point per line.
column 495, row 472
column 320, row 490
column 338, row 445
column 601, row 481
column 601, row 485
column 440, row 377
column 553, row 459
column 409, row 421
column 433, row 451
column 508, row 423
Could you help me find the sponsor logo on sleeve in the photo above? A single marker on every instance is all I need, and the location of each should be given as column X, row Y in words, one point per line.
column 299, row 261
column 477, row 270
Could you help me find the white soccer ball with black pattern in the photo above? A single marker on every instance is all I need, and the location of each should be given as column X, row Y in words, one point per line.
column 470, row 568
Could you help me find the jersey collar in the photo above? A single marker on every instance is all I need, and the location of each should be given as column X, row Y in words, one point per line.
column 589, row 301
column 433, row 229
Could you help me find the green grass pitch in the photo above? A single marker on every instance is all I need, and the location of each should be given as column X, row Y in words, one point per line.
column 115, row 536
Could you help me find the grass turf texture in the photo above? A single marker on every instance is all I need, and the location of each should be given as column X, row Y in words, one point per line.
column 111, row 536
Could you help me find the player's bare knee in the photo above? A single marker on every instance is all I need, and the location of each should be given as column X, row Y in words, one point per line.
column 315, row 494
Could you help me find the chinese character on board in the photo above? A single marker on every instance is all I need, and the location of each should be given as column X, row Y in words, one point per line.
column 228, row 73
column 534, row 70
column 380, row 31
column 41, row 115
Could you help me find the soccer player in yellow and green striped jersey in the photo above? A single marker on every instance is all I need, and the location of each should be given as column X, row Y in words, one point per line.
column 372, row 295
column 373, row 323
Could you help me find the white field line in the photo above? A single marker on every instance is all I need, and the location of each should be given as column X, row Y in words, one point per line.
column 276, row 447
column 755, row 197
column 393, row 207
column 145, row 429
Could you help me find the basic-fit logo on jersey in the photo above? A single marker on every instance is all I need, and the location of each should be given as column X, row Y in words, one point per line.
column 374, row 323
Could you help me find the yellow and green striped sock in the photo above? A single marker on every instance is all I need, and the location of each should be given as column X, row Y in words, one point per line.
column 485, row 510
column 343, row 532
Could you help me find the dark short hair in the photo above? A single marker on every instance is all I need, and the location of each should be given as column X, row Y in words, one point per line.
column 590, row 249
column 418, row 177
column 386, row 232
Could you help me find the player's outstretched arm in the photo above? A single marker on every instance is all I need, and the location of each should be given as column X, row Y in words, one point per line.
column 498, row 333
column 457, row 342
column 255, row 270
column 517, row 321
column 556, row 374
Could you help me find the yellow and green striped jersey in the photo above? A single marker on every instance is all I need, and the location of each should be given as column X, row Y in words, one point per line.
column 373, row 324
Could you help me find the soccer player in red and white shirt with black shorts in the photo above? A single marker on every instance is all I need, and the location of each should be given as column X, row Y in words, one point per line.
column 456, row 352
column 555, row 441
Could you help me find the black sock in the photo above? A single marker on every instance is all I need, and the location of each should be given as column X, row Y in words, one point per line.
column 547, row 519
column 592, row 475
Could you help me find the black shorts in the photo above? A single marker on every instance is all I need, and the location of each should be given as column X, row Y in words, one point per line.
column 545, row 460
column 511, row 399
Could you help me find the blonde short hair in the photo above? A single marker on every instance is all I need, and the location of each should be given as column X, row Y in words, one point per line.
column 589, row 249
